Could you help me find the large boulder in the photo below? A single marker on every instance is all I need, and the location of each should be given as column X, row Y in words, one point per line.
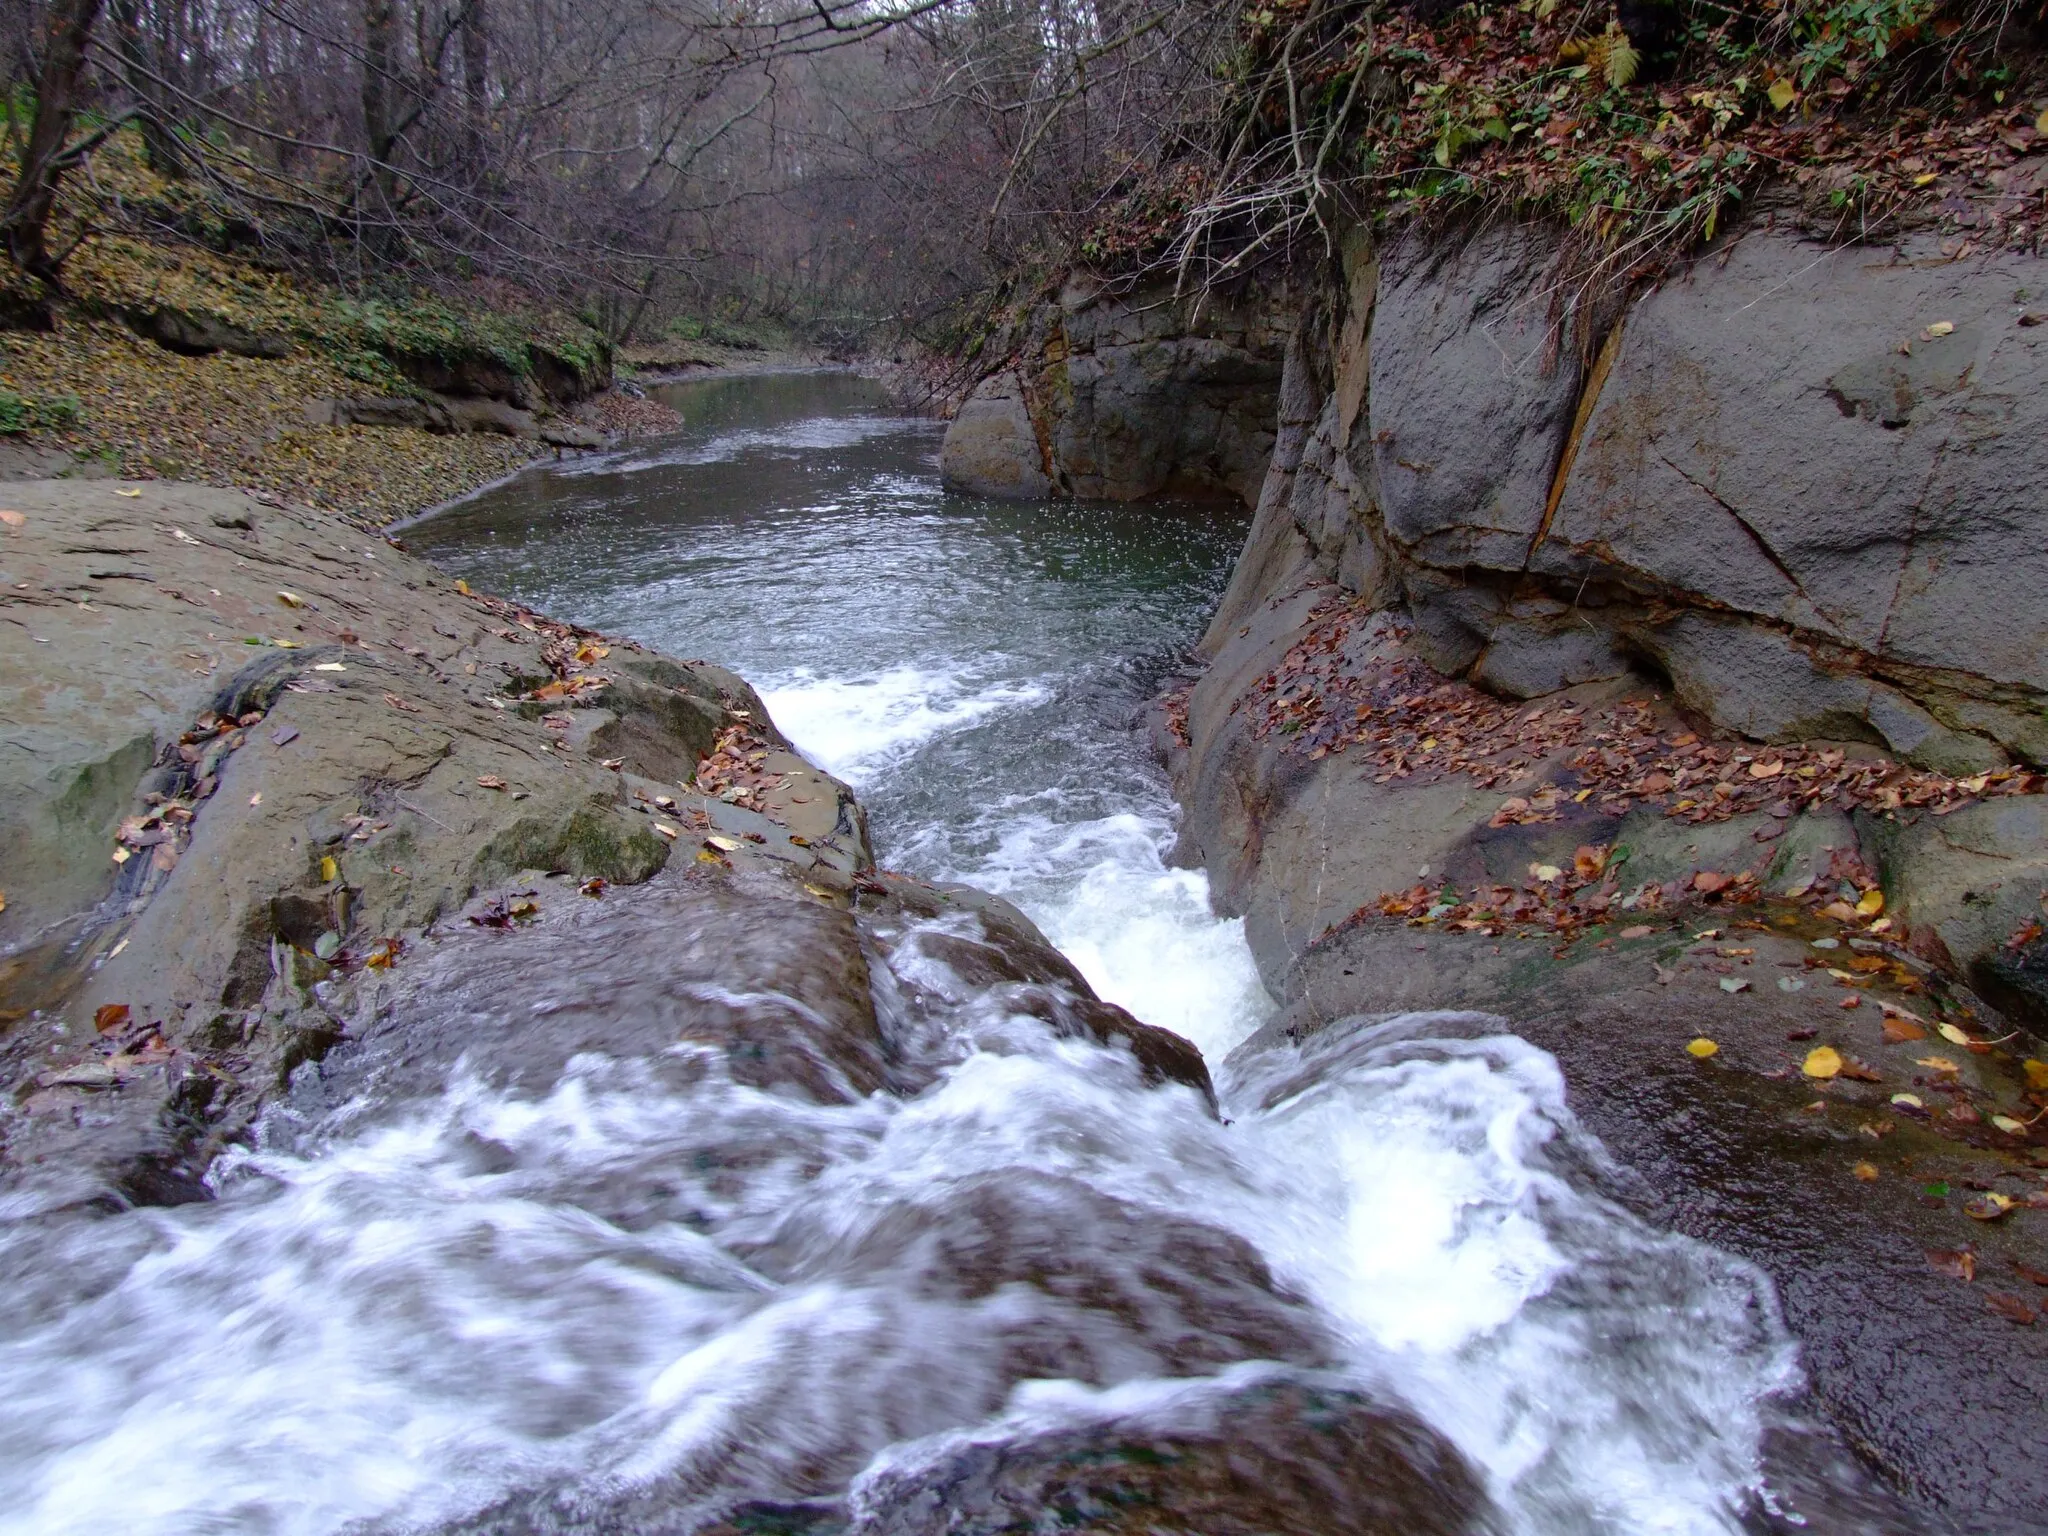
column 1116, row 396
column 251, row 749
column 992, row 446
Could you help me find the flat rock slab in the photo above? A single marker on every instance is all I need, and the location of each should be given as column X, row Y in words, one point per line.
column 248, row 744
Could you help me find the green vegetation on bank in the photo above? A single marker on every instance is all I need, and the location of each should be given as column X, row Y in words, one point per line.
column 177, row 349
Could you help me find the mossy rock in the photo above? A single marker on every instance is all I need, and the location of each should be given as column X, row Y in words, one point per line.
column 594, row 840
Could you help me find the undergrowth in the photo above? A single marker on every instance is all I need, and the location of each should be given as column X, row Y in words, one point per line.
column 1645, row 127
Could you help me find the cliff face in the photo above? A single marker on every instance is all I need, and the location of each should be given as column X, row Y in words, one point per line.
column 1802, row 483
column 1119, row 396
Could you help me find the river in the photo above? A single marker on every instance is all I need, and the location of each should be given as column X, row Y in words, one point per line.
column 376, row 1327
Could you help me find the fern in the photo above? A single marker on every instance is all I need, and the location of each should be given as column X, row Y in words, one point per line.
column 1609, row 57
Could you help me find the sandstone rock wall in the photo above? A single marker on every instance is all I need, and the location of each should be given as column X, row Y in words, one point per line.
column 1118, row 396
column 1804, row 484
column 1798, row 496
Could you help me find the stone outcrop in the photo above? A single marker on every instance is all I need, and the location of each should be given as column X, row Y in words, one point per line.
column 1794, row 496
column 1119, row 396
column 410, row 752
column 1802, row 484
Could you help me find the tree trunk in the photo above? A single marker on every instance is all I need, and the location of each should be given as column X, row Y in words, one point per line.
column 380, row 47
column 26, row 223
column 476, row 79
column 160, row 145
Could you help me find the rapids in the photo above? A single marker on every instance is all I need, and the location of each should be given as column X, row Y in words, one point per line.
column 447, row 1297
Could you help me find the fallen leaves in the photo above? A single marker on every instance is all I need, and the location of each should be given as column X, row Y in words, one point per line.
column 491, row 781
column 1343, row 688
column 1823, row 1061
column 1956, row 1263
column 2014, row 1309
column 1988, row 1206
column 507, row 910
column 109, row 1017
column 1701, row 1048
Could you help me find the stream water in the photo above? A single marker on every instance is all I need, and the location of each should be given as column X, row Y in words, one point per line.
column 380, row 1327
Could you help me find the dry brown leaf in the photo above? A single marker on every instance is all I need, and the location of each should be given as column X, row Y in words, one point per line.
column 1988, row 1206
column 109, row 1016
column 2014, row 1309
column 1956, row 1263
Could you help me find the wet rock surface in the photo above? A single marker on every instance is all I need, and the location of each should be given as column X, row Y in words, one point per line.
column 1268, row 1460
column 252, row 748
column 1351, row 871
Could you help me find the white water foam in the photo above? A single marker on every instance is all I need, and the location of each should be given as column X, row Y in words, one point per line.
column 392, row 1328
column 1142, row 933
column 856, row 727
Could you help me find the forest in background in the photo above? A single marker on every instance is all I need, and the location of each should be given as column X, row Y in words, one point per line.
column 860, row 171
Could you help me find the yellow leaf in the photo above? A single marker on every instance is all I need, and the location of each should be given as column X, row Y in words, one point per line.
column 2041, row 122
column 2009, row 1125
column 1865, row 1171
column 290, row 599
column 1921, row 181
column 1702, row 1048
column 1782, row 94
column 127, row 493
column 1871, row 904
column 328, row 868
column 1545, row 871
column 1822, row 1061
column 723, row 844
column 1908, row 1101
column 1941, row 327
column 3, row 901
column 1936, row 1064
column 2037, row 1071
column 1952, row 1035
